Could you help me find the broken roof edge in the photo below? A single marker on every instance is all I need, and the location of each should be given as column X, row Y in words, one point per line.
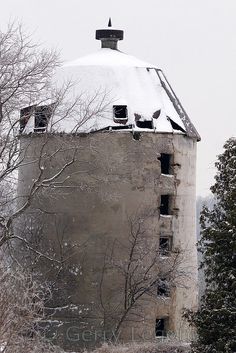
column 191, row 131
column 108, row 129
column 137, row 130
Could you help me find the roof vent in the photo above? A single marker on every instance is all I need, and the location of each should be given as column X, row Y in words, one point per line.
column 109, row 36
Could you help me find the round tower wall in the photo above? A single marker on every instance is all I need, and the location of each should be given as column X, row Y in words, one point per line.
column 82, row 222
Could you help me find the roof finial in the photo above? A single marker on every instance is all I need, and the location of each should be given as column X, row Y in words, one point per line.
column 109, row 36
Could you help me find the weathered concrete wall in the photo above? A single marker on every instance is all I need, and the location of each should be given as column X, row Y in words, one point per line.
column 114, row 177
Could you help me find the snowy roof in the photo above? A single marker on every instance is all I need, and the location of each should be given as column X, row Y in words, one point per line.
column 109, row 79
column 109, row 57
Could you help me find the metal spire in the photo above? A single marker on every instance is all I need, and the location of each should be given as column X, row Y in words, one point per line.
column 109, row 36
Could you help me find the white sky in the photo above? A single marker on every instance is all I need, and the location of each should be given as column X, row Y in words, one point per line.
column 193, row 41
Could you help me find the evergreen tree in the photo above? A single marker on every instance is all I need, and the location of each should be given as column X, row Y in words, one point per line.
column 215, row 320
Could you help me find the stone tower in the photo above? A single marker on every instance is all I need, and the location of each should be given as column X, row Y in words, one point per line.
column 118, row 224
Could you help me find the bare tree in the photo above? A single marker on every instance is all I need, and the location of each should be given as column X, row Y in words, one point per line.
column 147, row 347
column 26, row 73
column 27, row 87
column 21, row 309
column 142, row 274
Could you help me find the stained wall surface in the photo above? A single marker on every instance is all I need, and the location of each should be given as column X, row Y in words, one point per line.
column 106, row 180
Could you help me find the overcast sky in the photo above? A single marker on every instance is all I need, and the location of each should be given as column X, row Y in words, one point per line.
column 193, row 41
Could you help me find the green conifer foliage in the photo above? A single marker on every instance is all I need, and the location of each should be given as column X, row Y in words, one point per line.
column 215, row 320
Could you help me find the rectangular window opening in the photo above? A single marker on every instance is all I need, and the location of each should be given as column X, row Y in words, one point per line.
column 120, row 113
column 164, row 245
column 126, row 127
column 161, row 327
column 163, row 288
column 165, row 205
column 165, row 160
column 25, row 114
column 147, row 124
column 42, row 116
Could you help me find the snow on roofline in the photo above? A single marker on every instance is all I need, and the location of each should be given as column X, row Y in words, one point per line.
column 140, row 87
column 109, row 57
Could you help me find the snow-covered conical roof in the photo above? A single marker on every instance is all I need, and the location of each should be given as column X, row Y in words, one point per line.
column 131, row 82
column 110, row 79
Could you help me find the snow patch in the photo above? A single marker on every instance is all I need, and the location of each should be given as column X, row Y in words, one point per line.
column 118, row 79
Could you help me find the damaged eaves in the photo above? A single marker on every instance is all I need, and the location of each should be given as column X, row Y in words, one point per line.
column 144, row 102
column 147, row 124
column 175, row 126
column 156, row 114
column 120, row 127
column 190, row 129
column 142, row 124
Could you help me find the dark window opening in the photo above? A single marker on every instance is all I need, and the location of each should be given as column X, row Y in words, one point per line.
column 164, row 245
column 165, row 160
column 136, row 135
column 175, row 126
column 25, row 114
column 137, row 116
column 156, row 114
column 120, row 113
column 42, row 116
column 160, row 327
column 163, row 288
column 147, row 124
column 165, row 205
column 122, row 127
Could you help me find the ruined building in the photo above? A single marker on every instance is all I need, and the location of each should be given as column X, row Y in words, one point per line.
column 114, row 215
